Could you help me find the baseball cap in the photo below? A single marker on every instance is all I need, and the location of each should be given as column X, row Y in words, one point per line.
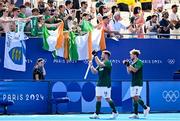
column 173, row 6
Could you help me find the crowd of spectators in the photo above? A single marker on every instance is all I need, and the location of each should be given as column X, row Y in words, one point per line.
column 26, row 17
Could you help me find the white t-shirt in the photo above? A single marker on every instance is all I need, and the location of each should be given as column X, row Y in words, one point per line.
column 28, row 11
column 151, row 27
column 174, row 16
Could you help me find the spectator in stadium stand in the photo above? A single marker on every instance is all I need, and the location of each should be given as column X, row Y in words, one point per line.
column 101, row 13
column 139, row 21
column 152, row 27
column 22, row 12
column 15, row 17
column 146, row 5
column 114, row 9
column 156, row 3
column 85, row 17
column 165, row 25
column 108, row 30
column 69, row 6
column 39, row 71
column 98, row 4
column 5, row 21
column 159, row 11
column 35, row 12
column 34, row 22
column 41, row 6
column 50, row 19
column 51, row 7
column 19, row 23
column 1, row 9
column 71, row 19
column 10, row 7
column 174, row 18
column 84, row 6
column 63, row 16
column 116, row 24
column 133, row 27
column 28, row 9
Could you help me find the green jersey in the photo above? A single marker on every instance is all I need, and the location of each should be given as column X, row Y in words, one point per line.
column 52, row 22
column 104, row 74
column 137, row 77
column 34, row 26
column 22, row 15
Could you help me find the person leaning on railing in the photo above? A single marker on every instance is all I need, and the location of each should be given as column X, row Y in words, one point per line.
column 116, row 23
column 165, row 25
column 49, row 18
column 108, row 30
column 1, row 9
column 152, row 27
column 132, row 28
column 139, row 21
column 63, row 16
column 5, row 21
column 174, row 18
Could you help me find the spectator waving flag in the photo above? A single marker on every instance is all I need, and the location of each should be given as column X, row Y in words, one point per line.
column 15, row 48
column 73, row 47
column 86, row 26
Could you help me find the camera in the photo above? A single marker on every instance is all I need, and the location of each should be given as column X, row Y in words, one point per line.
column 177, row 26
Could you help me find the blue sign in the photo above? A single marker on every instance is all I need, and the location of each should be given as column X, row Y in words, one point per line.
column 28, row 97
column 164, row 96
column 82, row 96
column 160, row 58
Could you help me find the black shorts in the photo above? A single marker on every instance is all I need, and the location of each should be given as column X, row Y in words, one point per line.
column 123, row 7
column 146, row 6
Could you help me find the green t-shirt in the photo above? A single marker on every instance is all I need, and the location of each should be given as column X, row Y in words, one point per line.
column 34, row 26
column 137, row 78
column 22, row 15
column 104, row 74
column 52, row 22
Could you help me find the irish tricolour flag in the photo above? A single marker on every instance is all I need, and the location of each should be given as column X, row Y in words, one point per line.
column 72, row 47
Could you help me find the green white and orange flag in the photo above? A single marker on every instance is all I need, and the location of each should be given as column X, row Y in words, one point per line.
column 71, row 46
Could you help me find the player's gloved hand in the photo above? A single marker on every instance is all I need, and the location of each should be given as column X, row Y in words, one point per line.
column 90, row 63
column 126, row 63
column 94, row 53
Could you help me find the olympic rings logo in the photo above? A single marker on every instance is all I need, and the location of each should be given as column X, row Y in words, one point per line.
column 171, row 96
column 171, row 61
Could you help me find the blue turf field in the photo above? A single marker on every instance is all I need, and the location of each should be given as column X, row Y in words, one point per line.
column 85, row 117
